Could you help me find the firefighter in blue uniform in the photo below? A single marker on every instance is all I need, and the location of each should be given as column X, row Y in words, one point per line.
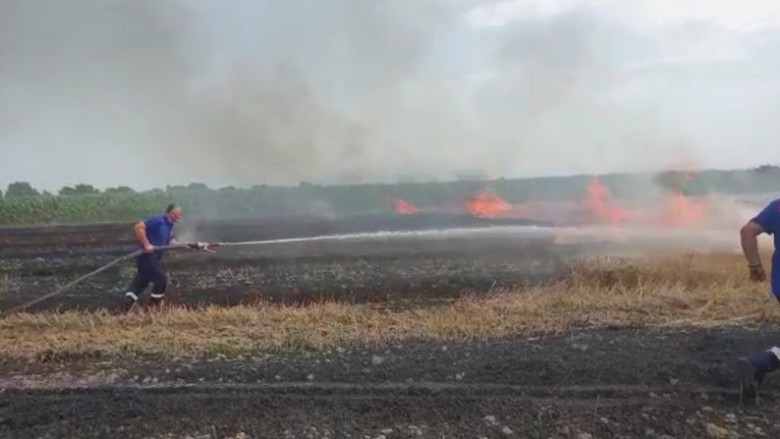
column 752, row 370
column 152, row 232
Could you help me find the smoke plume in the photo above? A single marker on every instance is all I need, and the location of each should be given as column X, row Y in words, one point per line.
column 149, row 93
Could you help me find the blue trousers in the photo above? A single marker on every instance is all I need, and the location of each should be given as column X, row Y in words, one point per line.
column 769, row 359
column 149, row 270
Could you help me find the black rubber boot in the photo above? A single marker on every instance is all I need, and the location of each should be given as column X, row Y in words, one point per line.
column 129, row 301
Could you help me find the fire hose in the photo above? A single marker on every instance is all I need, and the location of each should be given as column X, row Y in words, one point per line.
column 205, row 246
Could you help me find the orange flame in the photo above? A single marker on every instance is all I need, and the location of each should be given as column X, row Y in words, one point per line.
column 487, row 205
column 681, row 211
column 600, row 203
column 404, row 207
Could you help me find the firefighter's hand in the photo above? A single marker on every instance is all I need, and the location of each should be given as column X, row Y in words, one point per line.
column 148, row 248
column 757, row 273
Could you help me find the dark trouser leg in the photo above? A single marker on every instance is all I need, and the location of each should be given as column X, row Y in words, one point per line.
column 769, row 360
column 140, row 281
column 752, row 370
column 159, row 282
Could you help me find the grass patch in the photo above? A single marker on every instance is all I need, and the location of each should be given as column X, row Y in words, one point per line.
column 654, row 291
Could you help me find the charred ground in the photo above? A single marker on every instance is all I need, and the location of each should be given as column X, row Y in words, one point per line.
column 587, row 378
column 616, row 384
column 37, row 260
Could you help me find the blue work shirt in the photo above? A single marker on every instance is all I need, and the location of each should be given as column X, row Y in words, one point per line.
column 769, row 220
column 159, row 230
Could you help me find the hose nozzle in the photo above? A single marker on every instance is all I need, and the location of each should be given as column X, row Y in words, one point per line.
column 203, row 246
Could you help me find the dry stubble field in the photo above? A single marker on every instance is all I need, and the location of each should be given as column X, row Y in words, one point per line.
column 472, row 338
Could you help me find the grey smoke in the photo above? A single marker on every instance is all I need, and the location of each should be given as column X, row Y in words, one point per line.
column 151, row 93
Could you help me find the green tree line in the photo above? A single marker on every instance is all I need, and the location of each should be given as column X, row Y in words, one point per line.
column 21, row 203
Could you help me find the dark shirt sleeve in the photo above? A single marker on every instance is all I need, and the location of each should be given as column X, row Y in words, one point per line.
column 768, row 217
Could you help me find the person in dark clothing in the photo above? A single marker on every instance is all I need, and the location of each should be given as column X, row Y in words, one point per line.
column 152, row 232
column 752, row 370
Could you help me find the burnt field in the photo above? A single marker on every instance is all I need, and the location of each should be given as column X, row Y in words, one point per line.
column 586, row 384
column 493, row 329
column 420, row 264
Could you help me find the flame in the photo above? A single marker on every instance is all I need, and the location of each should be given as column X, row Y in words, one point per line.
column 681, row 211
column 599, row 203
column 673, row 210
column 404, row 207
column 485, row 204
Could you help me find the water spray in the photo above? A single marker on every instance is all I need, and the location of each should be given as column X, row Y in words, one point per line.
column 578, row 233
column 202, row 246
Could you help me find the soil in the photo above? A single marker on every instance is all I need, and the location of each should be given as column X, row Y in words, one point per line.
column 618, row 383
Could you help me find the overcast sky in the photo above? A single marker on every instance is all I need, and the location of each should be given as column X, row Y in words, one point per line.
column 147, row 93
